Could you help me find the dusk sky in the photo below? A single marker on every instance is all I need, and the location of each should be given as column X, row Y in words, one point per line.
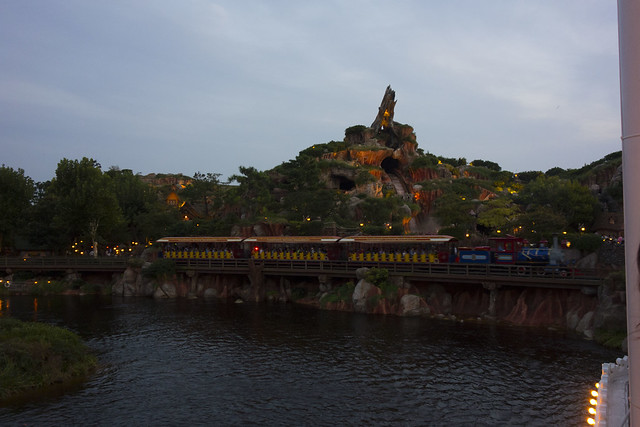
column 195, row 85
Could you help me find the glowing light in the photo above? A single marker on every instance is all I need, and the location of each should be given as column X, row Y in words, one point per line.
column 592, row 411
column 498, row 231
column 593, row 402
column 591, row 421
column 594, row 393
column 597, row 385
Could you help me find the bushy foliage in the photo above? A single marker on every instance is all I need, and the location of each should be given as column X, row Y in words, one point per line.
column 354, row 130
column 16, row 193
column 35, row 355
column 160, row 269
column 565, row 197
column 343, row 293
column 380, row 277
column 528, row 176
column 460, row 161
column 54, row 287
column 585, row 242
column 487, row 164
column 427, row 160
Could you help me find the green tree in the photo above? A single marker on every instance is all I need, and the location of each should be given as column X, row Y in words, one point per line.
column 566, row 197
column 16, row 194
column 204, row 188
column 455, row 214
column 541, row 222
column 498, row 213
column 135, row 199
column 253, row 193
column 487, row 164
column 86, row 203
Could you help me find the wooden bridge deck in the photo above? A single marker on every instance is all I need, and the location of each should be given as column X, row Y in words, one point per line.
column 512, row 275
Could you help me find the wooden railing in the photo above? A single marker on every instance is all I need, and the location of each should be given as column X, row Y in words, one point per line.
column 515, row 274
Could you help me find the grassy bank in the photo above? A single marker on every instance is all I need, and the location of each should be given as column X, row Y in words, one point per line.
column 35, row 355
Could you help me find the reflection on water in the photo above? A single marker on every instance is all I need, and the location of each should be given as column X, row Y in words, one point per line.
column 206, row 362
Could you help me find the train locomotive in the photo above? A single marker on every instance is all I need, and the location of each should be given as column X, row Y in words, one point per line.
column 405, row 249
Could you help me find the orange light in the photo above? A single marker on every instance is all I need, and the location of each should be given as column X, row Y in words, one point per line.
column 593, row 402
column 591, row 421
column 594, row 393
column 592, row 411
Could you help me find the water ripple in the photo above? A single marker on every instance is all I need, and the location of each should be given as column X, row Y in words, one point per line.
column 203, row 363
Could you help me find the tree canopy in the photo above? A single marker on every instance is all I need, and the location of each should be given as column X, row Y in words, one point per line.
column 16, row 194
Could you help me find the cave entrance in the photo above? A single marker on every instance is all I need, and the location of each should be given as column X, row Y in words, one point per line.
column 344, row 183
column 390, row 165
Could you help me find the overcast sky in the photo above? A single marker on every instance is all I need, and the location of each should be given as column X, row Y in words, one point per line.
column 196, row 85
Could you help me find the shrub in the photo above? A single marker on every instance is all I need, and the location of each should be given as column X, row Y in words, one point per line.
column 380, row 278
column 34, row 355
column 343, row 293
column 585, row 242
column 354, row 129
column 611, row 339
column 135, row 262
column 160, row 269
column 49, row 288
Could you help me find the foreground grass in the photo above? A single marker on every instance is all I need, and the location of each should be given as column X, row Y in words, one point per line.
column 35, row 355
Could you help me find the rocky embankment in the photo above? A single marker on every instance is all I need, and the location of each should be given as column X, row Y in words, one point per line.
column 584, row 311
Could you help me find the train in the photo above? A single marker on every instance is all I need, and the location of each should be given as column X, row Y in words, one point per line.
column 406, row 248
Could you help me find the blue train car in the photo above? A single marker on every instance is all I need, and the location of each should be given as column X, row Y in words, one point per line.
column 480, row 255
column 537, row 256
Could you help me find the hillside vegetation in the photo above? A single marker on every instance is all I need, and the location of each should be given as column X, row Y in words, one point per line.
column 368, row 182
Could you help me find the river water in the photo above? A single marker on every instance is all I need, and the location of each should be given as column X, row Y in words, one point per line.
column 199, row 362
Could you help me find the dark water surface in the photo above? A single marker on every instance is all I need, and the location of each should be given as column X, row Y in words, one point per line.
column 195, row 362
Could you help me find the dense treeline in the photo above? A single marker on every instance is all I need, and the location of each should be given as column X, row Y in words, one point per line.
column 118, row 210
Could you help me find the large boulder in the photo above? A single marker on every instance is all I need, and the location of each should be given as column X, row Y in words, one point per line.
column 165, row 290
column 585, row 325
column 413, row 305
column 362, row 292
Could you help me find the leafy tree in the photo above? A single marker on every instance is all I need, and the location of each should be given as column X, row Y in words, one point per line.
column 566, row 197
column 204, row 188
column 487, row 164
column 41, row 228
column 86, row 203
column 454, row 212
column 528, row 176
column 427, row 160
column 16, row 194
column 461, row 161
column 498, row 213
column 135, row 199
column 254, row 192
column 557, row 171
column 541, row 222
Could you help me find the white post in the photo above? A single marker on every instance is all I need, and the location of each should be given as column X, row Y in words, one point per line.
column 629, row 40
